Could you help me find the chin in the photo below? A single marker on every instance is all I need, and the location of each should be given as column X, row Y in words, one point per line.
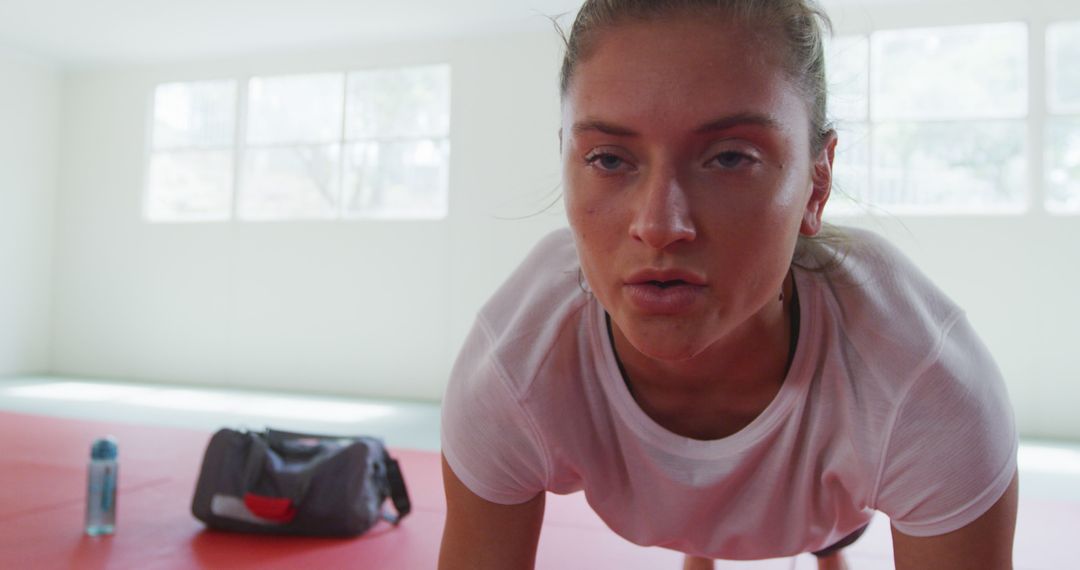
column 662, row 345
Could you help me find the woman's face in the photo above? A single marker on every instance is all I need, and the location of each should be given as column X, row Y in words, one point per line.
column 688, row 175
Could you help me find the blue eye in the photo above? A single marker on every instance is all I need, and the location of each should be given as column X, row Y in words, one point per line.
column 731, row 159
column 606, row 161
column 610, row 161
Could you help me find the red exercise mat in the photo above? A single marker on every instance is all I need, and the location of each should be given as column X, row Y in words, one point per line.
column 42, row 490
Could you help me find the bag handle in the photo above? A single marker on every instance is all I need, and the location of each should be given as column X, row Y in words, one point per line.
column 277, row 436
column 253, row 465
column 259, row 450
column 399, row 495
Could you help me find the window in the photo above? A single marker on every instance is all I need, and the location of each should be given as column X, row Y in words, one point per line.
column 292, row 148
column 191, row 157
column 1062, row 144
column 367, row 144
column 936, row 118
column 849, row 85
column 396, row 144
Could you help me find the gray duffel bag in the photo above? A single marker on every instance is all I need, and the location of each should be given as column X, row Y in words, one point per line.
column 294, row 483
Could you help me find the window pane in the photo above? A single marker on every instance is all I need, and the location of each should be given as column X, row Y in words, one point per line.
column 194, row 114
column 286, row 183
column 189, row 185
column 1063, row 165
column 950, row 73
column 397, row 179
column 851, row 170
column 946, row 167
column 412, row 102
column 295, row 109
column 1063, row 45
column 848, row 67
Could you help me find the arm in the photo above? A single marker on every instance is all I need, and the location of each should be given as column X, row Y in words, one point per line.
column 481, row 535
column 984, row 544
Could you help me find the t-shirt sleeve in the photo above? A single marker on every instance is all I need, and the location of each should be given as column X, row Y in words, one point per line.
column 952, row 450
column 488, row 438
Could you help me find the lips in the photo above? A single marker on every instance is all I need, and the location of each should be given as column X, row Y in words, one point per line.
column 665, row 276
column 664, row 292
column 666, row 284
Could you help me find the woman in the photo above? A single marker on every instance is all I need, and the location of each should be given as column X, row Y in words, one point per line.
column 716, row 377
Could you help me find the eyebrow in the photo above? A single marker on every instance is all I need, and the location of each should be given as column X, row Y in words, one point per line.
column 721, row 124
column 739, row 119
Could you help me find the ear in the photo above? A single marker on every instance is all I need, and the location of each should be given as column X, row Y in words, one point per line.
column 821, row 179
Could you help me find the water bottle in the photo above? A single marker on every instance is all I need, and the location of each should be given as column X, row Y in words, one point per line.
column 101, row 488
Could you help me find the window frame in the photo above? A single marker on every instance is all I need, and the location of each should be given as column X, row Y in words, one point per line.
column 151, row 150
column 863, row 203
column 240, row 149
column 1050, row 114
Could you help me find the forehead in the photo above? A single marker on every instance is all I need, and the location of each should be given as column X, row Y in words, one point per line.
column 679, row 72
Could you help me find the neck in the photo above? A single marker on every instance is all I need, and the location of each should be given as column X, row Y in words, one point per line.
column 739, row 374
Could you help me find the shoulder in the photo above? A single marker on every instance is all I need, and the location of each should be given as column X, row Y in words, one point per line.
column 875, row 265
column 547, row 274
column 532, row 309
column 882, row 302
column 951, row 450
column 523, row 320
column 490, row 437
column 947, row 446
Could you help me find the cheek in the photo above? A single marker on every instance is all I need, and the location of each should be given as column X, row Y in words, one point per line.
column 772, row 202
column 591, row 215
column 580, row 215
column 593, row 233
column 596, row 229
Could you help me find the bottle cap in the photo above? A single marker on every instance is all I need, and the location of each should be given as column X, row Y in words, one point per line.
column 104, row 448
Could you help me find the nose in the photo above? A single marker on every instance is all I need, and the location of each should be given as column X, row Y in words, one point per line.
column 662, row 217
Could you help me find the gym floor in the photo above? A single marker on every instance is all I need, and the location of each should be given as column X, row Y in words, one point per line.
column 1049, row 471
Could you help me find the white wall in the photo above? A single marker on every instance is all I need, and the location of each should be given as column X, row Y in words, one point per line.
column 371, row 308
column 29, row 106
column 381, row 308
column 1017, row 276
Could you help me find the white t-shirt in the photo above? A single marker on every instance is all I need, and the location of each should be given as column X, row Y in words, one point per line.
column 892, row 403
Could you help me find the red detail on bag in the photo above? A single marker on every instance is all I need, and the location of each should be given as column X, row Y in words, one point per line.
column 277, row 509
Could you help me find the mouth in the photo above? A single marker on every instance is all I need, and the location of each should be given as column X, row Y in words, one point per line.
column 666, row 284
column 666, row 278
column 664, row 295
